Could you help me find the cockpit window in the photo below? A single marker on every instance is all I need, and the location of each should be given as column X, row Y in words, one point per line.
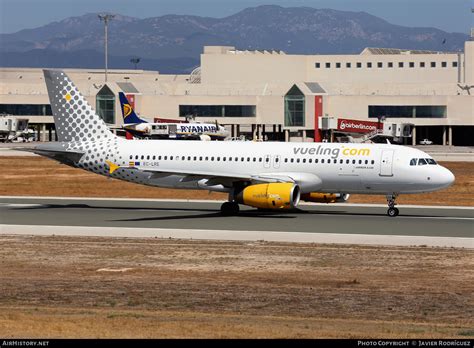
column 413, row 162
column 422, row 162
column 431, row 161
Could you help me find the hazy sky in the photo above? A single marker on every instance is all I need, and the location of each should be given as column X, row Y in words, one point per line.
column 448, row 15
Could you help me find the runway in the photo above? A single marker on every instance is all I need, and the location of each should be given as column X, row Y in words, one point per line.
column 201, row 219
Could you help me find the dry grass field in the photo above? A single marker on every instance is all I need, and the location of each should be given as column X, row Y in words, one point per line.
column 139, row 288
column 37, row 176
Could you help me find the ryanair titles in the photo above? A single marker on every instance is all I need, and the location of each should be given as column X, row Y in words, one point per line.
column 333, row 152
column 197, row 128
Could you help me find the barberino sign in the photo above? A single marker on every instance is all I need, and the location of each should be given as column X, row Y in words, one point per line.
column 356, row 126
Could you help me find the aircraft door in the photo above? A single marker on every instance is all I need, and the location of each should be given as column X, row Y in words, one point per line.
column 386, row 163
column 276, row 161
column 266, row 161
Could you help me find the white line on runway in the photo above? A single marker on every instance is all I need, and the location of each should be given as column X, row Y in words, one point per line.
column 221, row 201
column 296, row 237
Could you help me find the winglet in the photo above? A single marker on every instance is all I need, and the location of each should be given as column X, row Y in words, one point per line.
column 112, row 167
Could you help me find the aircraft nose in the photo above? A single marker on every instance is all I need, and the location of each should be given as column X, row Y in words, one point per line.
column 446, row 177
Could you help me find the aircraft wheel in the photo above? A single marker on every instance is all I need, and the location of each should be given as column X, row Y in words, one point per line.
column 229, row 208
column 392, row 212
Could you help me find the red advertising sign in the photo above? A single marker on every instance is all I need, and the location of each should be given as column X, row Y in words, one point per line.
column 356, row 126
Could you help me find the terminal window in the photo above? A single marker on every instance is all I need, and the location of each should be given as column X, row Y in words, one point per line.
column 294, row 108
column 105, row 105
column 433, row 64
column 455, row 64
column 338, row 65
column 217, row 110
column 348, row 65
column 369, row 65
column 400, row 64
column 328, row 65
column 359, row 65
column 410, row 111
column 444, row 64
column 411, row 64
column 317, row 65
column 390, row 64
column 26, row 109
column 379, row 65
column 422, row 64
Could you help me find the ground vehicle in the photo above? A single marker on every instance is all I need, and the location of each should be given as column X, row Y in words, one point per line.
column 426, row 142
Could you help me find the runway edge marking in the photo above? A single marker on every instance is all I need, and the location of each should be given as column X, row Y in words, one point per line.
column 271, row 236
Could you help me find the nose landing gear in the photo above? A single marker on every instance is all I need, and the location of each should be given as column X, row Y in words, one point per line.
column 392, row 211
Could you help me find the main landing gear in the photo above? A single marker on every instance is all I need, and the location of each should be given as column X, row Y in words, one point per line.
column 392, row 211
column 229, row 208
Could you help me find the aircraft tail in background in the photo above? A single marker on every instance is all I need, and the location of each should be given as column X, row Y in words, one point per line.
column 129, row 115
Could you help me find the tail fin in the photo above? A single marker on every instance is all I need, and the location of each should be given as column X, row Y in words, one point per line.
column 129, row 115
column 74, row 118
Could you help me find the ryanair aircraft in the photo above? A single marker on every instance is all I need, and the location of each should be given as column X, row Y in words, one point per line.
column 267, row 175
column 142, row 129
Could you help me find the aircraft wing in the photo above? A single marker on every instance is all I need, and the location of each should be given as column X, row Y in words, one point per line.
column 224, row 178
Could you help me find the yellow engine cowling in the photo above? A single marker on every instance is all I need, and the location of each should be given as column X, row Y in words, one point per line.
column 318, row 197
column 270, row 196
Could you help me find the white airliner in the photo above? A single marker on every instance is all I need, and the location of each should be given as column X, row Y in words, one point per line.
column 267, row 175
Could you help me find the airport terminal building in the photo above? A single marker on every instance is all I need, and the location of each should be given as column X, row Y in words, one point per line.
column 277, row 96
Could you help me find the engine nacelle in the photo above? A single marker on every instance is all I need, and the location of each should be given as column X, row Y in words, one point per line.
column 270, row 196
column 318, row 197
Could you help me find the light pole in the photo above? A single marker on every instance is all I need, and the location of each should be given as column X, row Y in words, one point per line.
column 106, row 18
column 135, row 61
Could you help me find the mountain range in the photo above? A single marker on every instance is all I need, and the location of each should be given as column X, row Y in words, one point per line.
column 173, row 43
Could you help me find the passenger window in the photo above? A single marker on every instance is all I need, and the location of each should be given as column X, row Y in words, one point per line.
column 353, row 161
column 194, row 158
column 422, row 162
column 230, row 159
column 171, row 158
column 200, row 158
column 218, row 158
column 360, row 161
column 316, row 160
column 143, row 157
column 348, row 161
column 248, row 159
column 292, row 160
column 136, row 156
column 236, row 159
column 322, row 160
column 148, row 157
column 212, row 158
column 304, row 160
column 242, row 159
column 373, row 162
column 310, row 160
column 254, row 159
column 341, row 161
column 413, row 162
column 166, row 157
column 154, row 157
column 207, row 158
column 335, row 161
column 267, row 159
column 297, row 160
column 183, row 158
column 366, row 161
column 189, row 158
column 286, row 160
column 131, row 156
